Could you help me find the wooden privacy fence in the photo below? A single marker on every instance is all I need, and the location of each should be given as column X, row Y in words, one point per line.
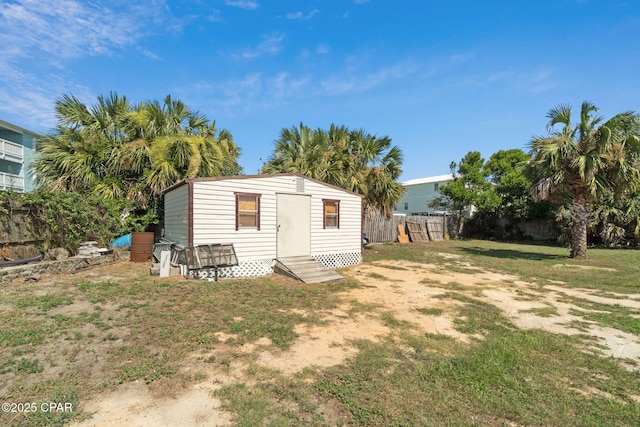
column 380, row 229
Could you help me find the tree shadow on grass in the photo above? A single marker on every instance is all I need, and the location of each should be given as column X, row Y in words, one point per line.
column 510, row 254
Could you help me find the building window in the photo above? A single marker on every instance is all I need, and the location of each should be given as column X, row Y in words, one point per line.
column 247, row 210
column 406, row 206
column 436, row 186
column 331, row 213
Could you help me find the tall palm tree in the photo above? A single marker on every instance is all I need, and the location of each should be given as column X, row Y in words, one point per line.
column 299, row 150
column 133, row 152
column 579, row 164
column 351, row 159
column 173, row 143
column 77, row 155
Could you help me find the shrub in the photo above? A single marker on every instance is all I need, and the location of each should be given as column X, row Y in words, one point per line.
column 65, row 219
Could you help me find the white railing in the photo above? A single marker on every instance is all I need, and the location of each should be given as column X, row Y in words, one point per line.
column 9, row 181
column 11, row 151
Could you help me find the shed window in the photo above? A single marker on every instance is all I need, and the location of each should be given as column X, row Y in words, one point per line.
column 436, row 186
column 331, row 214
column 247, row 211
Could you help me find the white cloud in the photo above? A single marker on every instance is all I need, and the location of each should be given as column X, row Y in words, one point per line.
column 541, row 81
column 243, row 4
column 30, row 98
column 251, row 92
column 215, row 16
column 271, row 44
column 42, row 36
column 284, row 86
column 352, row 81
column 149, row 54
column 301, row 16
column 516, row 79
column 67, row 28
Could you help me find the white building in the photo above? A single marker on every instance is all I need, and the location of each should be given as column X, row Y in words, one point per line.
column 266, row 217
column 419, row 192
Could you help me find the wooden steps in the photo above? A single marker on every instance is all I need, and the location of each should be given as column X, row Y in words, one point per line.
column 306, row 269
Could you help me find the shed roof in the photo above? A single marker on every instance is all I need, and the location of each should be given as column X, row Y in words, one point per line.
column 260, row 176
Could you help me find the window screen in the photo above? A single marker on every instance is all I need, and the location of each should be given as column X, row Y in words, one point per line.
column 331, row 217
column 247, row 211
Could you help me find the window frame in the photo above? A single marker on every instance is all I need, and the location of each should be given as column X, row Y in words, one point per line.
column 257, row 197
column 326, row 202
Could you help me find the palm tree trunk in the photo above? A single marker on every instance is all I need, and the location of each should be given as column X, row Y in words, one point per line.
column 580, row 214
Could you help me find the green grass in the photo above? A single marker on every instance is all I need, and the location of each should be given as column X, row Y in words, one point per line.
column 168, row 334
column 542, row 311
column 378, row 276
column 163, row 322
column 430, row 311
column 535, row 262
column 475, row 316
column 544, row 263
column 615, row 316
column 511, row 377
column 44, row 302
column 56, row 391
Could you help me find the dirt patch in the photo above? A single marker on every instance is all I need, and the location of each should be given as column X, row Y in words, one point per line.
column 404, row 291
column 132, row 404
column 626, row 300
column 527, row 305
column 611, row 342
column 324, row 346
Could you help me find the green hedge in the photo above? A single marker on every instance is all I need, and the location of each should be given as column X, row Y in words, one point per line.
column 64, row 219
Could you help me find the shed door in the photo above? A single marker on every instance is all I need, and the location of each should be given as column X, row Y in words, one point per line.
column 294, row 225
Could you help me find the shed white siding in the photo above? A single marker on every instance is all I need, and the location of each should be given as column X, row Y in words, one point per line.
column 176, row 215
column 213, row 218
column 347, row 238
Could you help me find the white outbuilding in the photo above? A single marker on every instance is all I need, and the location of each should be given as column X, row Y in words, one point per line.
column 266, row 217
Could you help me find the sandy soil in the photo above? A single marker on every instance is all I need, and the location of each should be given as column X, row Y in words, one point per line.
column 397, row 288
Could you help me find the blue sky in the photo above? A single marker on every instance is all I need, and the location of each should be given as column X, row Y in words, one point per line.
column 440, row 78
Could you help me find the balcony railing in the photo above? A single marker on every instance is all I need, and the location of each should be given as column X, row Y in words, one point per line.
column 11, row 151
column 9, row 181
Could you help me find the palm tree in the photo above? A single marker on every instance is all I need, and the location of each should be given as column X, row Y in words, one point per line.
column 299, row 150
column 77, row 155
column 582, row 163
column 351, row 159
column 121, row 151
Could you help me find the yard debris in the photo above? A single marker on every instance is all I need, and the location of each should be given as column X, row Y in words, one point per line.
column 417, row 231
column 402, row 237
column 89, row 249
column 56, row 254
